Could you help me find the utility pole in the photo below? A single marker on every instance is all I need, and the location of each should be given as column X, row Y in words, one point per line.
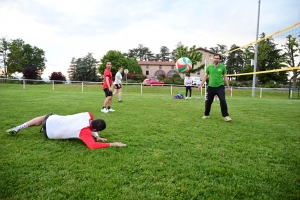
column 256, row 50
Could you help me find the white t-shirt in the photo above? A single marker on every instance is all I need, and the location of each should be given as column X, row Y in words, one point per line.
column 69, row 126
column 188, row 82
column 119, row 81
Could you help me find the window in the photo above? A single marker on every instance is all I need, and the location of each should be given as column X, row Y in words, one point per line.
column 159, row 73
column 147, row 72
column 170, row 73
column 147, row 66
column 160, row 67
column 172, row 67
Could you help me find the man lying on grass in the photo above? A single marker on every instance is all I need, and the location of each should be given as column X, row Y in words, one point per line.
column 81, row 125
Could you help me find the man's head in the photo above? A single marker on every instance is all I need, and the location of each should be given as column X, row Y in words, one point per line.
column 217, row 58
column 108, row 64
column 98, row 124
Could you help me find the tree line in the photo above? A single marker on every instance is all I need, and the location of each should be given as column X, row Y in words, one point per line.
column 17, row 56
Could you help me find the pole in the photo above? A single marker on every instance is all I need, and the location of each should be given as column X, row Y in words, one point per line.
column 256, row 49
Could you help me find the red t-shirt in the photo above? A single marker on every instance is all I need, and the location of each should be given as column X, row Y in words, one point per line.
column 107, row 73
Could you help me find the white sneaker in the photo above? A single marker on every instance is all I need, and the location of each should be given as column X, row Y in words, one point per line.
column 190, row 97
column 104, row 110
column 111, row 110
column 227, row 119
column 205, row 117
column 13, row 131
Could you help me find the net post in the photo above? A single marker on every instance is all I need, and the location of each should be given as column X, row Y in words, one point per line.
column 82, row 86
column 23, row 84
column 260, row 93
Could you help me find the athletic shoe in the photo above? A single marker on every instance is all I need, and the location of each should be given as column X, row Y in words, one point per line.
column 205, row 117
column 227, row 119
column 190, row 97
column 104, row 110
column 13, row 131
column 111, row 110
column 120, row 101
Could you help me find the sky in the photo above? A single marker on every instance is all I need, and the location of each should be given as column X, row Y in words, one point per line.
column 72, row 28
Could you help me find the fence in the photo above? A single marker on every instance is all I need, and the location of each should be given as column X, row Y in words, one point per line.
column 172, row 89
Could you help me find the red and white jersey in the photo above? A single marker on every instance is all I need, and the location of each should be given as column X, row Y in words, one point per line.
column 73, row 126
column 66, row 127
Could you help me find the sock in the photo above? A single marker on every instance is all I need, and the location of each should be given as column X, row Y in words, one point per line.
column 108, row 107
column 103, row 107
column 23, row 126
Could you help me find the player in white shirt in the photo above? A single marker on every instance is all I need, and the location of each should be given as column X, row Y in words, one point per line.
column 82, row 126
column 118, row 84
column 188, row 82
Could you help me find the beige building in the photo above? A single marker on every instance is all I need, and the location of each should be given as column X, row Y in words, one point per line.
column 155, row 68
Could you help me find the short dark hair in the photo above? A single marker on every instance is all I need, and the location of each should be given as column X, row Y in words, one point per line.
column 218, row 55
column 98, row 124
column 107, row 62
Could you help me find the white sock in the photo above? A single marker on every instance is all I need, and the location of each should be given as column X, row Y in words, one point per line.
column 23, row 126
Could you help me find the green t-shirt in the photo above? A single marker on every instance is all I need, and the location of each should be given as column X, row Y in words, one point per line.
column 216, row 75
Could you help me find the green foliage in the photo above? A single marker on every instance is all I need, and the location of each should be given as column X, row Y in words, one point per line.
column 119, row 60
column 269, row 58
column 138, row 78
column 23, row 55
column 171, row 152
column 84, row 69
column 4, row 49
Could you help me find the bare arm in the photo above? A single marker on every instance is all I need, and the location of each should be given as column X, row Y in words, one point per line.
column 203, row 81
column 227, row 82
column 107, row 82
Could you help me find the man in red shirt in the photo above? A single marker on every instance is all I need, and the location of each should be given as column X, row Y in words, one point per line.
column 107, row 88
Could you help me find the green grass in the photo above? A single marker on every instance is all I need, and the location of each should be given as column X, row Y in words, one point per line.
column 171, row 152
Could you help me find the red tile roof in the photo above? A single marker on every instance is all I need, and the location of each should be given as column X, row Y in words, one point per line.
column 155, row 63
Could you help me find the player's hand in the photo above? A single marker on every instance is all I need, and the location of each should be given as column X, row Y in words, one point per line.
column 229, row 90
column 200, row 86
column 101, row 139
column 118, row 144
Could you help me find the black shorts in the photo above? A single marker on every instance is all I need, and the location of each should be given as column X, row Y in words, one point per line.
column 118, row 86
column 43, row 129
column 107, row 92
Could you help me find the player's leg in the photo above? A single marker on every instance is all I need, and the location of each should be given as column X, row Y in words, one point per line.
column 223, row 104
column 33, row 122
column 120, row 94
column 208, row 101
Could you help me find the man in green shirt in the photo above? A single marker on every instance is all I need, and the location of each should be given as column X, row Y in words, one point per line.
column 217, row 75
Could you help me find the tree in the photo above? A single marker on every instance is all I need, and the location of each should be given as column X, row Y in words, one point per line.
column 292, row 50
column 192, row 54
column 235, row 61
column 119, row 60
column 4, row 49
column 30, row 72
column 220, row 49
column 164, row 53
column 84, row 69
column 269, row 58
column 23, row 55
column 57, row 76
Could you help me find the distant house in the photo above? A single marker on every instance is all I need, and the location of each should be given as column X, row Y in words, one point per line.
column 156, row 68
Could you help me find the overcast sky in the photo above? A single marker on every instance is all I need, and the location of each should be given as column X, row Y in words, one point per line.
column 72, row 28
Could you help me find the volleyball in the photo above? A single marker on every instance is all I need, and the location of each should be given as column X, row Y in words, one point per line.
column 183, row 65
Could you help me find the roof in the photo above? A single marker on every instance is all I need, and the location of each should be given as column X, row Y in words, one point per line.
column 155, row 63
column 206, row 50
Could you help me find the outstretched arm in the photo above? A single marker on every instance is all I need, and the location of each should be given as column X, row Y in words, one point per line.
column 87, row 138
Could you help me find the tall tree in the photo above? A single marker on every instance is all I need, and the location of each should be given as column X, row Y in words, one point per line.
column 119, row 60
column 269, row 58
column 291, row 55
column 4, row 49
column 235, row 60
column 84, row 69
column 23, row 55
column 220, row 49
column 164, row 53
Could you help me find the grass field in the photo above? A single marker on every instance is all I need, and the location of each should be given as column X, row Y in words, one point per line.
column 171, row 152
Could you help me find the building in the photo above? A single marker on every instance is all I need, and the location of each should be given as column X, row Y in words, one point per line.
column 156, row 68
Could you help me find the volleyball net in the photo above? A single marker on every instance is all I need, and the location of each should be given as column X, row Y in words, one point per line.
column 278, row 56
